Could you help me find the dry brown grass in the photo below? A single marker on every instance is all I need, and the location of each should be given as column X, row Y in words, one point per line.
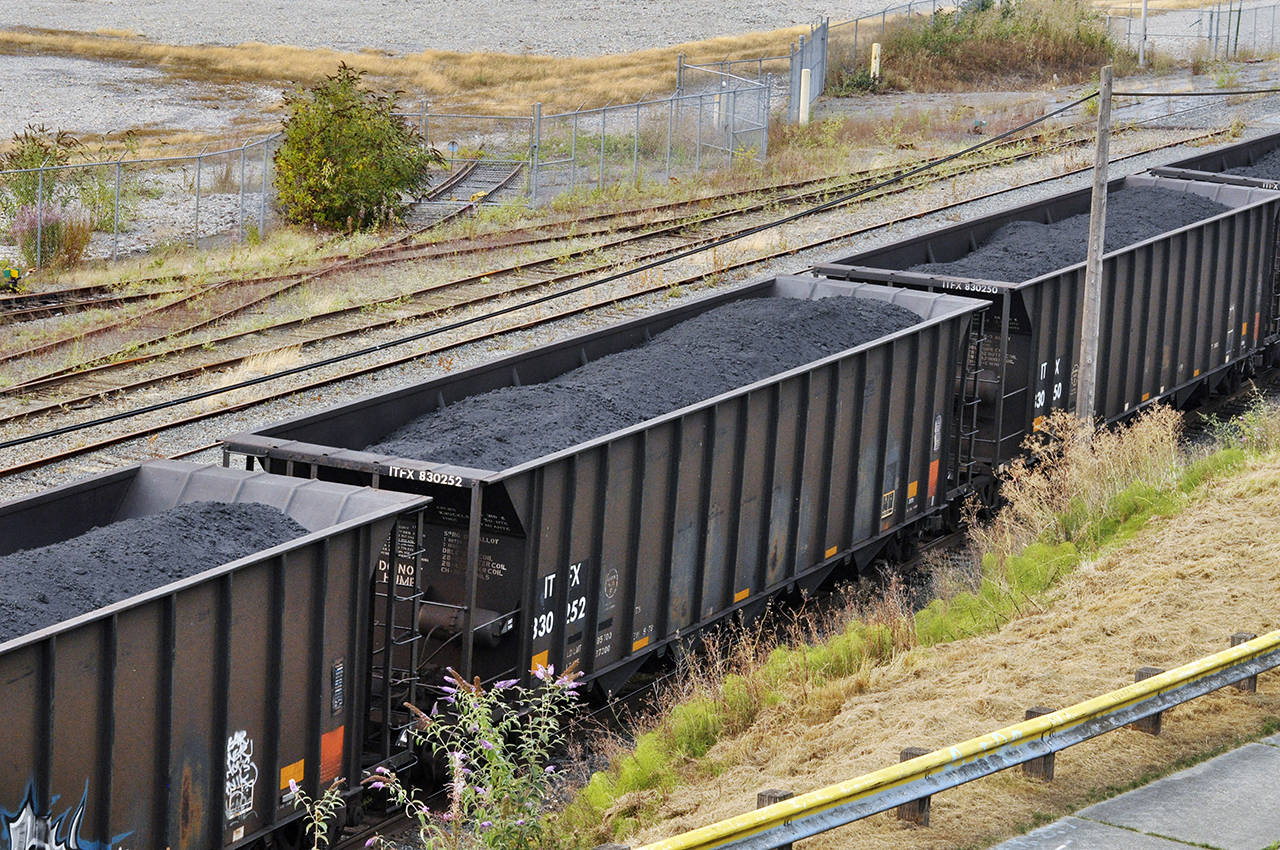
column 1071, row 472
column 483, row 81
column 254, row 366
column 1171, row 595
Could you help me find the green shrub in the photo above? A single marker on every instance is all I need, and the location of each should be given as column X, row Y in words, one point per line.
column 345, row 160
column 34, row 147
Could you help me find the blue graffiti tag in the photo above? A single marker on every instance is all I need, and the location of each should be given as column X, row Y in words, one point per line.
column 30, row 829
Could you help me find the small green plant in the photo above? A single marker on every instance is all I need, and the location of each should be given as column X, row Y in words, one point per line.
column 321, row 811
column 97, row 189
column 346, row 160
column 497, row 744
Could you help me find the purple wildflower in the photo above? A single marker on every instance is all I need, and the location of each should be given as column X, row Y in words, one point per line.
column 377, row 785
column 505, row 683
column 371, row 841
column 382, row 770
column 551, row 768
column 486, row 744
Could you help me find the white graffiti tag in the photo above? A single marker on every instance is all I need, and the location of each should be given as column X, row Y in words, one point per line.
column 242, row 775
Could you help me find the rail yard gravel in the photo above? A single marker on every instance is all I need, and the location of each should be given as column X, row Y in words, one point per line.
column 44, row 586
column 724, row 348
column 1022, row 250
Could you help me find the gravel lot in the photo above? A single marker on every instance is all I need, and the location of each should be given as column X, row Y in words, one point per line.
column 565, row 28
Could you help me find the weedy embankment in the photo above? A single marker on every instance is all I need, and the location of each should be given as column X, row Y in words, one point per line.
column 1114, row 551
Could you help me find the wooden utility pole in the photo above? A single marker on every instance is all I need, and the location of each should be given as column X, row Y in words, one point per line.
column 1085, row 394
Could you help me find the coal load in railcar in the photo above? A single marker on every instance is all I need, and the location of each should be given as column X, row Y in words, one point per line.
column 179, row 716
column 1185, row 311
column 785, row 457
column 1254, row 163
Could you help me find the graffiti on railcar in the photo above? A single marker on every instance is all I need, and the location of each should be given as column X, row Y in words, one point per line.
column 242, row 775
column 32, row 828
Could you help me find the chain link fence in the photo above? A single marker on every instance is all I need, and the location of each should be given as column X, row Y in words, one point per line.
column 1218, row 31
column 109, row 209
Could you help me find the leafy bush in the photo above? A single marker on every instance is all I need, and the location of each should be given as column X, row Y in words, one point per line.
column 345, row 159
column 50, row 236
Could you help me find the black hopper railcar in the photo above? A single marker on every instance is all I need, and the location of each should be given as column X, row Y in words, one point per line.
column 607, row 551
column 179, row 717
column 1254, row 163
column 1184, row 313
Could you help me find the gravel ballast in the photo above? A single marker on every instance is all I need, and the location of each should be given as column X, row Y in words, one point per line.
column 1266, row 168
column 42, row 587
column 727, row 347
column 1022, row 250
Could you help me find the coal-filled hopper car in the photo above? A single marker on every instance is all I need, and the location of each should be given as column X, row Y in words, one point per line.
column 608, row 550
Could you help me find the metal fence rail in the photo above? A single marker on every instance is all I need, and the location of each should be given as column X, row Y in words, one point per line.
column 837, row 805
column 227, row 191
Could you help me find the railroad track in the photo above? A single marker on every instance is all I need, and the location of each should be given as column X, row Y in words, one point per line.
column 186, row 316
column 627, row 245
column 478, row 327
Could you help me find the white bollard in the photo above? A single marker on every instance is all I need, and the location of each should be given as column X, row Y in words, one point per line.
column 806, row 81
column 875, row 61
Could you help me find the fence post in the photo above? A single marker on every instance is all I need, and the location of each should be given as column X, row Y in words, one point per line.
column 573, row 154
column 262, row 201
column 635, row 149
column 768, row 96
column 422, row 124
column 915, row 811
column 533, row 154
column 732, row 140
column 604, row 113
column 1151, row 723
column 697, row 153
column 1040, row 768
column 770, row 796
column 1248, row 684
column 680, row 73
column 115, row 224
column 240, row 212
column 195, row 237
column 671, row 119
column 40, row 215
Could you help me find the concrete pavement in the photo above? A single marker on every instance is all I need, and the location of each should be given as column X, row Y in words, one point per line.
column 1231, row 802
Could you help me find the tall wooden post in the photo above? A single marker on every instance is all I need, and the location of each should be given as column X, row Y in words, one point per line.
column 1085, row 395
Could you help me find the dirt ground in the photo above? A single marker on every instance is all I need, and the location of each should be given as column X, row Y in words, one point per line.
column 1172, row 594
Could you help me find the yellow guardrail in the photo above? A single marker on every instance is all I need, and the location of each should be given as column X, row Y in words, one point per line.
column 814, row 802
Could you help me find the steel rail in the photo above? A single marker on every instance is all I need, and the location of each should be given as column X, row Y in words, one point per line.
column 32, row 463
column 640, row 231
column 836, row 805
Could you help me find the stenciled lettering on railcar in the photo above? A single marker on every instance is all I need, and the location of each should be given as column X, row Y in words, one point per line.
column 425, row 475
column 242, row 775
